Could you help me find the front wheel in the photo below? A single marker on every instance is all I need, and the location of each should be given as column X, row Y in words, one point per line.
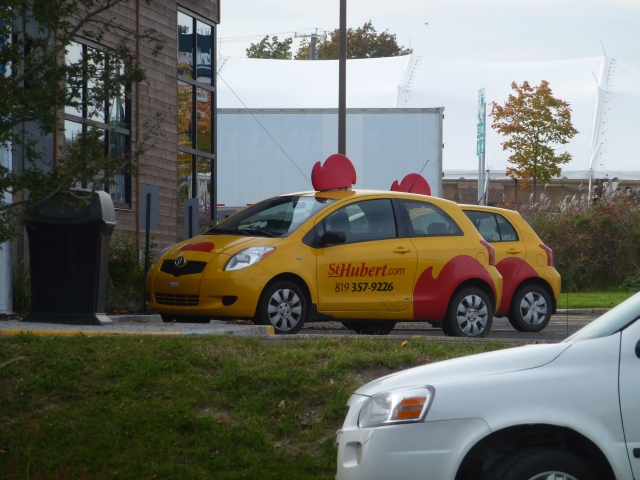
column 540, row 464
column 282, row 305
column 530, row 309
column 381, row 327
column 470, row 314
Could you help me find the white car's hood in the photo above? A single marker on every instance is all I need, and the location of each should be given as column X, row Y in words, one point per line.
column 491, row 363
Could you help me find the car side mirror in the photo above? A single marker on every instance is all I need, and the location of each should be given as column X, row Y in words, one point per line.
column 333, row 237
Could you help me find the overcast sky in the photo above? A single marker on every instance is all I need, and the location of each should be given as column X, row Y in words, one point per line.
column 483, row 30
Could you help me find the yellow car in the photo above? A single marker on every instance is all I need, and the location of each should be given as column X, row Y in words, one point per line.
column 366, row 258
column 531, row 288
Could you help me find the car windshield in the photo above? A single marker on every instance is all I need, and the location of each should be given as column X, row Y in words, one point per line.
column 274, row 217
column 611, row 322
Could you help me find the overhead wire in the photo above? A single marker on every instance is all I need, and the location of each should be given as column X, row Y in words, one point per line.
column 244, row 38
column 266, row 131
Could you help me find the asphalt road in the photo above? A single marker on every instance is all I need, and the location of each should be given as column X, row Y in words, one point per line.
column 559, row 328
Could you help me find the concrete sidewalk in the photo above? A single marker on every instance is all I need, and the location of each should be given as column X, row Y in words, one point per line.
column 136, row 325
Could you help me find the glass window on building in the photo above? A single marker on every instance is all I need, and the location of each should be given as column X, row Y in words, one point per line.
column 85, row 110
column 196, row 112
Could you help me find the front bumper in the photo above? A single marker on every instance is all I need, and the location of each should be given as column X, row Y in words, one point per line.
column 427, row 450
column 215, row 293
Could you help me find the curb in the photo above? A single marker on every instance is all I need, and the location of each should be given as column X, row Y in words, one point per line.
column 581, row 311
column 88, row 333
column 235, row 330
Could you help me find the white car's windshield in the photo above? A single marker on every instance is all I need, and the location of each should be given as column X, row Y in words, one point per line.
column 274, row 217
column 611, row 322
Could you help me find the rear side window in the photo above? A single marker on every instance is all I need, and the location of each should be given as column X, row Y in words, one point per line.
column 507, row 232
column 492, row 227
column 427, row 220
column 362, row 221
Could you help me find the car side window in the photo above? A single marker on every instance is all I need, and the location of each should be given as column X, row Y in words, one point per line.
column 427, row 220
column 485, row 223
column 507, row 232
column 492, row 227
column 362, row 221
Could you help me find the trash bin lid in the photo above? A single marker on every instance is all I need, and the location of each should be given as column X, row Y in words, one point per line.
column 97, row 208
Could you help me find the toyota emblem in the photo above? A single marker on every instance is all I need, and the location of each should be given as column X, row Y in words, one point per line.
column 180, row 261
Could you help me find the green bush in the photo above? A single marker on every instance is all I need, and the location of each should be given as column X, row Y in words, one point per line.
column 595, row 247
column 632, row 283
column 21, row 289
column 125, row 284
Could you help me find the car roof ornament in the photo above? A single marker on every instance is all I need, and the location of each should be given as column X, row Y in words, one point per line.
column 337, row 173
column 412, row 183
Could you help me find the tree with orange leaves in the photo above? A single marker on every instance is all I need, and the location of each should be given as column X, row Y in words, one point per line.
column 536, row 124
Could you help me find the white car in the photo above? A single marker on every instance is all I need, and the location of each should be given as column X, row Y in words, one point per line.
column 565, row 411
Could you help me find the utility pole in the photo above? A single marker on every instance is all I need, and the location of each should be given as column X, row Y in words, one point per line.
column 342, row 81
column 313, row 42
column 480, row 144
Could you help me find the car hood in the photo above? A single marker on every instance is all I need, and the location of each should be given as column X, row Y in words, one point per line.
column 491, row 363
column 226, row 244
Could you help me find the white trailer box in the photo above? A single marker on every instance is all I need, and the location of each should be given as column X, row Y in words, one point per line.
column 267, row 152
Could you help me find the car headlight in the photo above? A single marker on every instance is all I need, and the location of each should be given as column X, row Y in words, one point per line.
column 399, row 406
column 248, row 257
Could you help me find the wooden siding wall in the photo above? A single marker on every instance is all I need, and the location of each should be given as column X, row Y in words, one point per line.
column 158, row 94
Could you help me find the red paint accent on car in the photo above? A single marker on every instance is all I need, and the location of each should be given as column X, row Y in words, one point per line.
column 514, row 271
column 337, row 172
column 431, row 295
column 198, row 247
column 491, row 251
column 412, row 183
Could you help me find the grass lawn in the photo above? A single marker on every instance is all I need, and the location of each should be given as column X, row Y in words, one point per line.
column 198, row 407
column 593, row 299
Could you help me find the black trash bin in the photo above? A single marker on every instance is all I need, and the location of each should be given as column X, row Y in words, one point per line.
column 69, row 252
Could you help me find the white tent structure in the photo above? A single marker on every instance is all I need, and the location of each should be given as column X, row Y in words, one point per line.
column 604, row 95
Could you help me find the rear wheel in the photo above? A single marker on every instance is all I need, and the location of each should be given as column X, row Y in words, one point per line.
column 530, row 309
column 381, row 327
column 540, row 464
column 282, row 305
column 470, row 314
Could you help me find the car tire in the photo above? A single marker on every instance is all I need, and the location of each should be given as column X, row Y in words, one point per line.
column 283, row 305
column 530, row 309
column 166, row 318
column 470, row 314
column 540, row 463
column 381, row 327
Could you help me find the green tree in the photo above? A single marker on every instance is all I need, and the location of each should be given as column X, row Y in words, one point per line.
column 36, row 82
column 536, row 123
column 363, row 42
column 271, row 48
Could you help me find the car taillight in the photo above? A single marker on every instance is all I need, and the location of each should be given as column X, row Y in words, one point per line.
column 549, row 253
column 492, row 252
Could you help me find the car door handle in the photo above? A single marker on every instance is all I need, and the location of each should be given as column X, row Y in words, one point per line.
column 638, row 349
column 513, row 251
column 402, row 250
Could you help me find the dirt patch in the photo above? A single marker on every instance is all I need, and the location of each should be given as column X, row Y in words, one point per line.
column 219, row 415
column 362, row 377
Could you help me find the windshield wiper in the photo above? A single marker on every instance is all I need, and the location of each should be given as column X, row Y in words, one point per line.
column 250, row 231
column 225, row 231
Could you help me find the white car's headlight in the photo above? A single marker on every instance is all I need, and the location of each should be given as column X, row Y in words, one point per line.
column 399, row 406
column 248, row 257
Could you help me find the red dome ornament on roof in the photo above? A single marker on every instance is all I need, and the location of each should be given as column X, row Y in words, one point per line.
column 336, row 173
column 412, row 183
